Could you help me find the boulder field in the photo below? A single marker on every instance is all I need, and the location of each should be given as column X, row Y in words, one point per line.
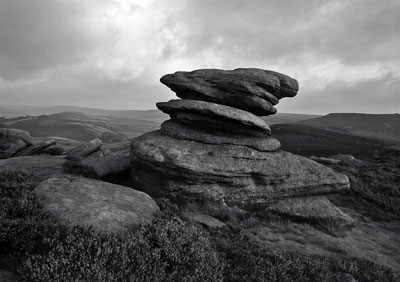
column 217, row 152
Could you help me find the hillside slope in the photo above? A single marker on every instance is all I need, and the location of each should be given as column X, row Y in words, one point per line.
column 385, row 127
column 308, row 140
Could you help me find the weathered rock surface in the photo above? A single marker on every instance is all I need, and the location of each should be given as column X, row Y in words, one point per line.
column 36, row 148
column 86, row 149
column 253, row 90
column 212, row 125
column 214, row 112
column 324, row 160
column 317, row 211
column 204, row 219
column 54, row 150
column 105, row 206
column 225, row 175
column 42, row 166
column 181, row 131
column 12, row 141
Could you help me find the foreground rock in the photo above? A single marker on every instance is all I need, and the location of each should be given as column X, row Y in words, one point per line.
column 105, row 206
column 225, row 175
column 253, row 90
column 317, row 211
column 181, row 131
column 41, row 165
column 36, row 148
column 86, row 149
column 12, row 141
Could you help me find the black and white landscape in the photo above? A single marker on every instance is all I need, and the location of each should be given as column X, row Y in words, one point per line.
column 199, row 141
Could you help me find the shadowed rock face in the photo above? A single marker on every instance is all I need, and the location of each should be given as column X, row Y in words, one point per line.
column 253, row 90
column 36, row 148
column 102, row 166
column 179, row 130
column 214, row 113
column 226, row 175
column 105, row 206
column 86, row 149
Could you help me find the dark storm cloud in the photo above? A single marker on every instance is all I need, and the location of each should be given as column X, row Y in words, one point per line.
column 111, row 53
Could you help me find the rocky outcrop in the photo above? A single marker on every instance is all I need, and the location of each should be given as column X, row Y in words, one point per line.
column 226, row 175
column 41, row 166
column 12, row 141
column 317, row 211
column 105, row 206
column 54, row 150
column 86, row 149
column 252, row 90
column 215, row 152
column 36, row 148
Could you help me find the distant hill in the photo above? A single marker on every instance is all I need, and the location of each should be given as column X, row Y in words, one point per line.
column 280, row 118
column 9, row 111
column 85, row 127
column 308, row 140
column 385, row 127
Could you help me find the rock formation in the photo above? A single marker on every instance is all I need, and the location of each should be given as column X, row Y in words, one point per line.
column 36, row 148
column 216, row 152
column 86, row 149
column 12, row 141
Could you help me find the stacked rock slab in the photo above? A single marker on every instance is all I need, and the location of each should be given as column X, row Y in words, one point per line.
column 215, row 151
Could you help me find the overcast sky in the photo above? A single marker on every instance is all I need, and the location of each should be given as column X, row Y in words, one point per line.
column 111, row 53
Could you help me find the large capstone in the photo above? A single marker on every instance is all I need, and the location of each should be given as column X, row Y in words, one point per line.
column 253, row 90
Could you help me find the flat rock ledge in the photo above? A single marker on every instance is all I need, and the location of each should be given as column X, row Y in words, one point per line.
column 225, row 175
column 87, row 202
column 214, row 111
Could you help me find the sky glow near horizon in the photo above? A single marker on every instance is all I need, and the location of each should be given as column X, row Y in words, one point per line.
column 111, row 54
